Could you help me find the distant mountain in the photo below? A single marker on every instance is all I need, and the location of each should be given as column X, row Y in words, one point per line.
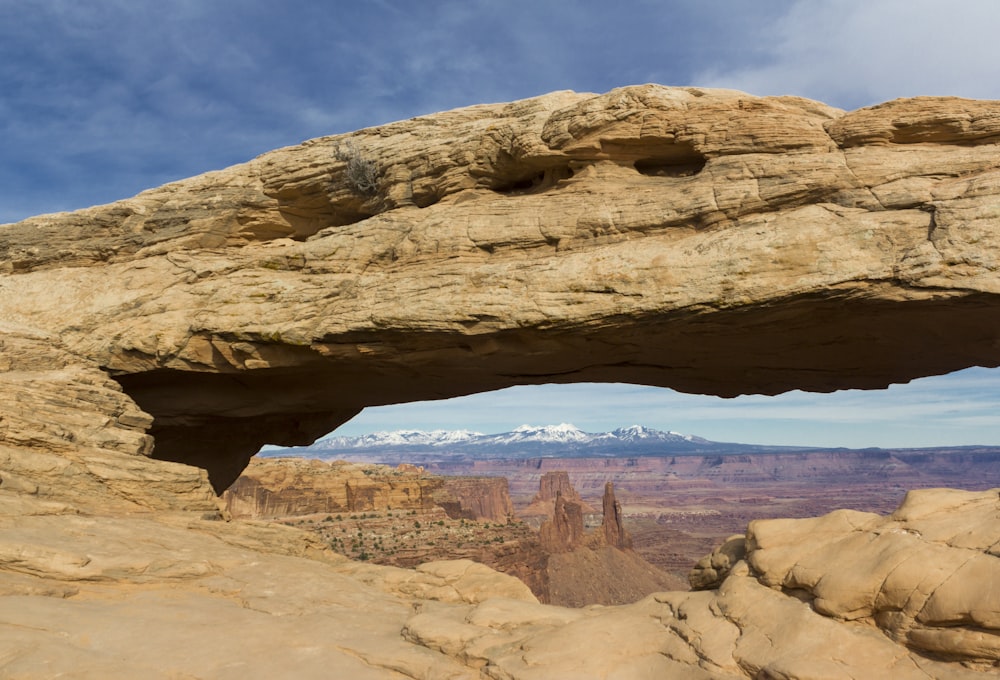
column 559, row 441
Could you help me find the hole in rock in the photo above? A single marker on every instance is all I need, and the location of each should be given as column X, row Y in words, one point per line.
column 218, row 416
column 665, row 157
column 426, row 197
column 670, row 168
column 534, row 182
column 671, row 160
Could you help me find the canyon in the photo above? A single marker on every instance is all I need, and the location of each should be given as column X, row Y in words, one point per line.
column 401, row 516
column 680, row 507
column 708, row 241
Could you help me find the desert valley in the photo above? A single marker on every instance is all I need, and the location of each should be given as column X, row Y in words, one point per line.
column 681, row 496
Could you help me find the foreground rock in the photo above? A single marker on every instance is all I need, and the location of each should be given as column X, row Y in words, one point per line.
column 848, row 595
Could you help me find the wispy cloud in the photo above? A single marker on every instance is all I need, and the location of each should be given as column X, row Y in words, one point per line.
column 853, row 53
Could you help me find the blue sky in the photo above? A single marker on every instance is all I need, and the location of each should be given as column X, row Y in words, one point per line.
column 100, row 99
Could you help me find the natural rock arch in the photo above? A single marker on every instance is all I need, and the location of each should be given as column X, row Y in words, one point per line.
column 703, row 240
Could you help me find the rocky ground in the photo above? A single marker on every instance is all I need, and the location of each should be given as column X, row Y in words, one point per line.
column 846, row 595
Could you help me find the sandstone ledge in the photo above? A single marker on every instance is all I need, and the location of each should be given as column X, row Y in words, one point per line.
column 174, row 596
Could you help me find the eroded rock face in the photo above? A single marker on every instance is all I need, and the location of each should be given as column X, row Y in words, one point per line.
column 564, row 531
column 477, row 498
column 550, row 485
column 283, row 487
column 704, row 240
column 613, row 533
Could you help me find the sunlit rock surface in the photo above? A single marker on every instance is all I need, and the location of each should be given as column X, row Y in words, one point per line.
column 704, row 240
column 708, row 241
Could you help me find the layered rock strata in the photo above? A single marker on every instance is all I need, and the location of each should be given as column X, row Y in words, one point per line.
column 551, row 485
column 284, row 487
column 476, row 498
column 289, row 487
column 637, row 236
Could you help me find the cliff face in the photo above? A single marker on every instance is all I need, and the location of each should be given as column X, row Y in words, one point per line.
column 551, row 485
column 563, row 532
column 475, row 498
column 613, row 533
column 284, row 487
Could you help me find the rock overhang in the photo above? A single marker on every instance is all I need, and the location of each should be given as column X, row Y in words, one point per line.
column 703, row 240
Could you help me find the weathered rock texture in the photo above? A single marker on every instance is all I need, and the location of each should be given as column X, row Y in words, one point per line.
column 476, row 498
column 581, row 569
column 563, row 532
column 708, row 241
column 613, row 533
column 848, row 595
column 705, row 240
column 550, row 485
column 287, row 487
column 283, row 487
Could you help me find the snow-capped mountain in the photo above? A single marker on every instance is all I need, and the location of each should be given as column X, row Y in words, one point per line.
column 636, row 433
column 548, row 434
column 399, row 438
column 527, row 441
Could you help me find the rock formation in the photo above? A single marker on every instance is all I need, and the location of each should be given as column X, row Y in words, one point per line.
column 478, row 498
column 704, row 240
column 635, row 236
column 581, row 569
column 851, row 595
column 550, row 485
column 283, row 487
column 613, row 533
column 286, row 487
column 564, row 531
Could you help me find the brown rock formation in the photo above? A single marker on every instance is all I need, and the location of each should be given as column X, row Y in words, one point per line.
column 564, row 532
column 597, row 568
column 638, row 236
column 613, row 533
column 475, row 498
column 550, row 485
column 282, row 487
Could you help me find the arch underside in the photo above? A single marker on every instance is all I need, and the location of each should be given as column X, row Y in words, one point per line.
column 218, row 420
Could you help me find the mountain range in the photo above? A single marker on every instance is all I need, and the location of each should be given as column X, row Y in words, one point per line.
column 528, row 441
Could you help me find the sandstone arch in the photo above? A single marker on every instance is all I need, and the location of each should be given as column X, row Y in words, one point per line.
column 703, row 240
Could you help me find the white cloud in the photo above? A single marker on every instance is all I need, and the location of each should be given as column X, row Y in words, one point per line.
column 853, row 53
